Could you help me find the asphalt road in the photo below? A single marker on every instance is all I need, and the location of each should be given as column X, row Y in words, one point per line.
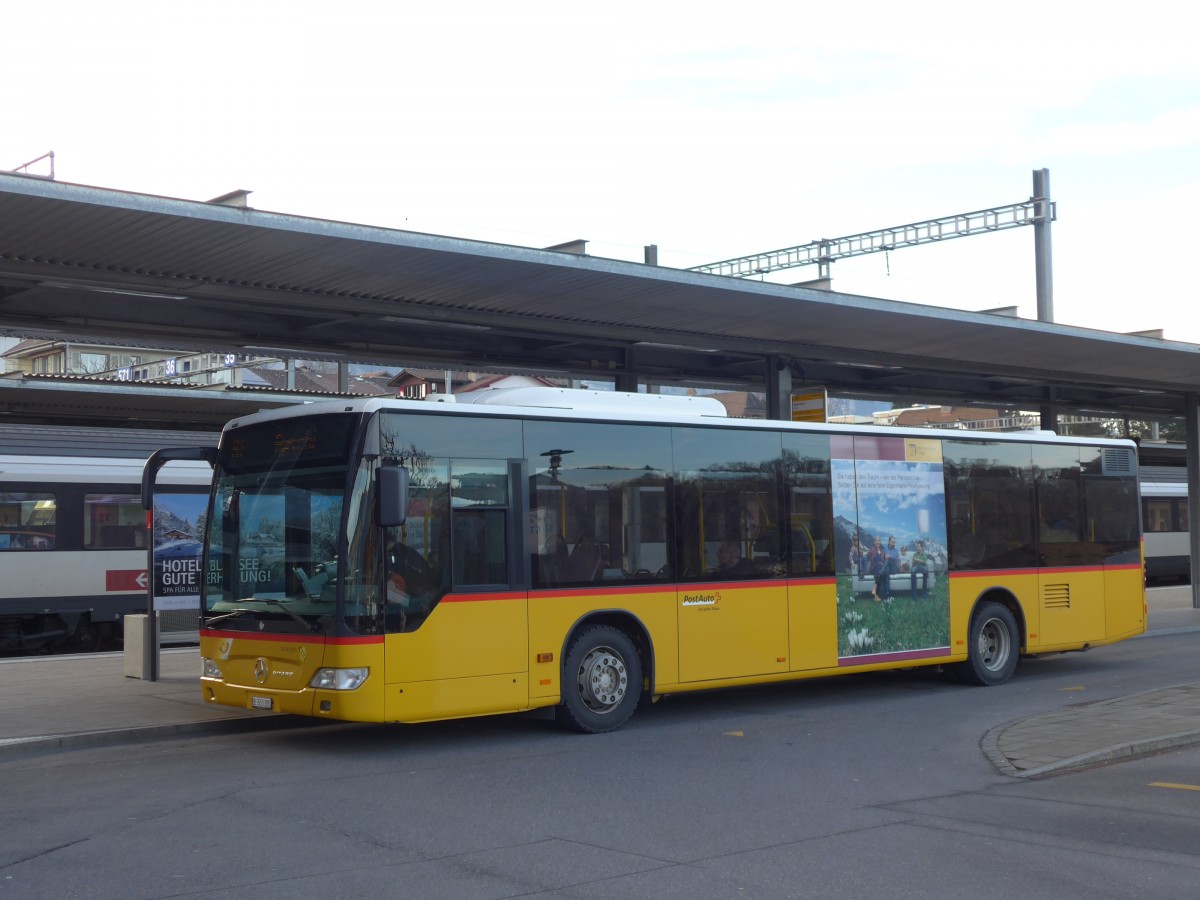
column 871, row 786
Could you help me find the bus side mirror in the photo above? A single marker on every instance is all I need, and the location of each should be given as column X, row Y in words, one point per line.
column 392, row 493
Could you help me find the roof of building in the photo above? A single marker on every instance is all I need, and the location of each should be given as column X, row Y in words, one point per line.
column 925, row 417
column 26, row 346
column 308, row 380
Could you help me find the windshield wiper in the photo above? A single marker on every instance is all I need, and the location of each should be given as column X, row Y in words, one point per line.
column 228, row 615
column 311, row 626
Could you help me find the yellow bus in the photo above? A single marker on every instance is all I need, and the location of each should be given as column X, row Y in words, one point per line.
column 403, row 561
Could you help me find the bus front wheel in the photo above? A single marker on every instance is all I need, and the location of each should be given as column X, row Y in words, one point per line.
column 602, row 681
column 993, row 646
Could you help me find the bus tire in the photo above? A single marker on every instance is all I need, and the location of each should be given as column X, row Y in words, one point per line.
column 993, row 646
column 602, row 681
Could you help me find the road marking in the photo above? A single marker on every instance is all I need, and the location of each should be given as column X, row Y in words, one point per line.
column 735, row 734
column 1178, row 787
column 1077, row 687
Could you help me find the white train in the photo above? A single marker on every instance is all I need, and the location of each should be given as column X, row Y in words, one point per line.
column 1165, row 522
column 73, row 532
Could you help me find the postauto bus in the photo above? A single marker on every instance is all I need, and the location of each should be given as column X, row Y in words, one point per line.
column 401, row 561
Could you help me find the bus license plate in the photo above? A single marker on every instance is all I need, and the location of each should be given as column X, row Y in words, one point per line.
column 261, row 703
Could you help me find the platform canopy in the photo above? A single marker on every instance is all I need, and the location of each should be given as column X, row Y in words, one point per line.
column 84, row 263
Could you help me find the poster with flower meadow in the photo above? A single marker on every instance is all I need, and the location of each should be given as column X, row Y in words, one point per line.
column 889, row 505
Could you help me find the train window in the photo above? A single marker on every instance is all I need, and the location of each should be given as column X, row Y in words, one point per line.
column 1158, row 515
column 27, row 520
column 114, row 522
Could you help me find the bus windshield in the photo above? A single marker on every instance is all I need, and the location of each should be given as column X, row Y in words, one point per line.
column 274, row 524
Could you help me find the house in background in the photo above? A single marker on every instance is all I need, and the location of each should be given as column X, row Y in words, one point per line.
column 105, row 362
column 139, row 365
column 419, row 384
column 38, row 356
column 318, row 379
column 967, row 418
column 743, row 404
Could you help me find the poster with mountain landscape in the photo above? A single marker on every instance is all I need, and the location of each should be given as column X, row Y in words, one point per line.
column 178, row 531
column 889, row 505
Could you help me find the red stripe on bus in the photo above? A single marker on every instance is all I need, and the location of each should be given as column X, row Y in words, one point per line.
column 673, row 588
column 614, row 590
column 277, row 638
column 1045, row 570
column 757, row 583
column 273, row 637
column 481, row 598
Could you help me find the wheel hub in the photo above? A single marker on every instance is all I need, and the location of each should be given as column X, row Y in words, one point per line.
column 603, row 680
column 993, row 645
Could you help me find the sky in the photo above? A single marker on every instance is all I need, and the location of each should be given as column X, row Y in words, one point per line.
column 711, row 130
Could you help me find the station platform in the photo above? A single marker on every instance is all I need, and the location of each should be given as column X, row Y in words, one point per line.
column 54, row 703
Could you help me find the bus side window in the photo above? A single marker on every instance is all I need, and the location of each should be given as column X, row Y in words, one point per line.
column 422, row 545
column 807, row 475
column 1110, row 502
column 728, row 498
column 597, row 503
column 1058, row 483
column 479, row 508
column 990, row 503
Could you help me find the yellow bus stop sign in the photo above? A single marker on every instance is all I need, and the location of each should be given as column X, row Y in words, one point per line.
column 808, row 405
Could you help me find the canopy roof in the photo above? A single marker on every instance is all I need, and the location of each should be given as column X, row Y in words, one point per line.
column 80, row 262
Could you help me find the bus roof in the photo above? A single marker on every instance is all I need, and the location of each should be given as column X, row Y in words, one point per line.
column 614, row 406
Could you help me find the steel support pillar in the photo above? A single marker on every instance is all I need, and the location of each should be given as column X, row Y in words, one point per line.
column 1044, row 270
column 1192, row 442
column 627, row 379
column 779, row 389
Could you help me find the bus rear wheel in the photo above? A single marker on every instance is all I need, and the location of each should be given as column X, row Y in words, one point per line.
column 993, row 646
column 602, row 681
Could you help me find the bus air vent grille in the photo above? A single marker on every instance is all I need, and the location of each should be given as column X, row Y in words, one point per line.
column 1056, row 596
column 1118, row 461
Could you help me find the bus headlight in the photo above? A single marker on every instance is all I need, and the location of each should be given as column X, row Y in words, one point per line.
column 339, row 679
column 209, row 669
